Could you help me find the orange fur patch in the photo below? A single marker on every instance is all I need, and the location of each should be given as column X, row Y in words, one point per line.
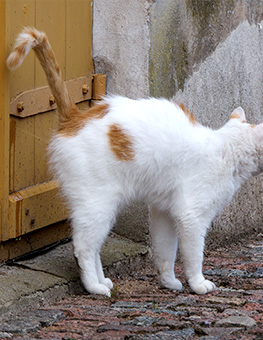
column 22, row 48
column 77, row 119
column 120, row 143
column 16, row 55
column 33, row 33
column 189, row 114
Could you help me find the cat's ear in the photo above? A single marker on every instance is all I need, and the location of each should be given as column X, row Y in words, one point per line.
column 239, row 114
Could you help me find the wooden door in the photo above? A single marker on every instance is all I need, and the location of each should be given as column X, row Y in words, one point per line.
column 29, row 196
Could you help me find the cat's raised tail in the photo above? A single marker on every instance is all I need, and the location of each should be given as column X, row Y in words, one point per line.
column 28, row 39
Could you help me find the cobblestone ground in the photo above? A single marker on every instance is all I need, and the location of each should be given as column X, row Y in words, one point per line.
column 140, row 309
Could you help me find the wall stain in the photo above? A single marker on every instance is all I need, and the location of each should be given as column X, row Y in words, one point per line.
column 184, row 33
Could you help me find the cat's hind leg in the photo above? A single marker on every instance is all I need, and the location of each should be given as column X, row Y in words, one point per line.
column 102, row 279
column 164, row 241
column 91, row 225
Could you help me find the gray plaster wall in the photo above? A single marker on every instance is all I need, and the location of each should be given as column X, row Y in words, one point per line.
column 205, row 53
column 121, row 45
column 232, row 76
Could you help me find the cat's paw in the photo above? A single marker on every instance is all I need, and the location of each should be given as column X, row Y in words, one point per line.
column 171, row 283
column 107, row 282
column 99, row 289
column 203, row 287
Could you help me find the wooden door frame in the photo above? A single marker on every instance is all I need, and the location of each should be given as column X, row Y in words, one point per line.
column 4, row 123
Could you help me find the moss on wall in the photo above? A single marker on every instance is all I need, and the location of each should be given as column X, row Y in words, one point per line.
column 184, row 33
column 168, row 64
column 212, row 21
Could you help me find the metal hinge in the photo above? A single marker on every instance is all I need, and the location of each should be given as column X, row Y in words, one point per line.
column 41, row 100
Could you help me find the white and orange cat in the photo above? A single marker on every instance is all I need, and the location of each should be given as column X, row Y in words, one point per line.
column 151, row 150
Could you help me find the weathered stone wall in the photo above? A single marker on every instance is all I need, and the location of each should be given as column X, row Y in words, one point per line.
column 206, row 53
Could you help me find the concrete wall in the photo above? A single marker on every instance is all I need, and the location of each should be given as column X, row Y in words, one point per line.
column 206, row 53
column 121, row 45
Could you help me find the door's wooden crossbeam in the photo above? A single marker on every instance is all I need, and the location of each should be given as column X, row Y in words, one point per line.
column 41, row 100
column 33, row 208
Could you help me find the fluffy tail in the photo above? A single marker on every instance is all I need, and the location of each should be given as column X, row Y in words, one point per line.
column 28, row 39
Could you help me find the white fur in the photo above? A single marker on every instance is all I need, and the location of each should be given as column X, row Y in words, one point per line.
column 187, row 173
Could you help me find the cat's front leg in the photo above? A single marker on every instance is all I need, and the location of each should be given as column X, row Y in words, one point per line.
column 164, row 241
column 191, row 247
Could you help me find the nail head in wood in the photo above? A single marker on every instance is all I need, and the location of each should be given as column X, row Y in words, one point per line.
column 20, row 106
column 51, row 100
column 85, row 88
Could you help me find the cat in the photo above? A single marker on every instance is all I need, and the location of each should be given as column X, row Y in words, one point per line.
column 152, row 150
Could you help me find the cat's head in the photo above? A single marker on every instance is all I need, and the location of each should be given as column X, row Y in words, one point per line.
column 256, row 133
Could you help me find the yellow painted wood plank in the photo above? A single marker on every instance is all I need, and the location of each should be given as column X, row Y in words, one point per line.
column 22, row 153
column 34, row 240
column 46, row 124
column 20, row 13
column 79, row 38
column 50, row 18
column 99, row 86
column 4, row 123
column 33, row 208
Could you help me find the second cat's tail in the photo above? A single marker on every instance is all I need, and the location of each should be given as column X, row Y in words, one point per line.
column 28, row 39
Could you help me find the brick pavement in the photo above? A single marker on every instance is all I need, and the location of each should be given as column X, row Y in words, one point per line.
column 140, row 309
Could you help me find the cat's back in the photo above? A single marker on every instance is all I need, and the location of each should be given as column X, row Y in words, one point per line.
column 151, row 111
column 147, row 116
column 146, row 124
column 160, row 121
